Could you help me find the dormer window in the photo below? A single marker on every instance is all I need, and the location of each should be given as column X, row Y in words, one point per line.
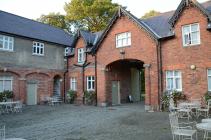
column 123, row 40
column 191, row 34
column 81, row 56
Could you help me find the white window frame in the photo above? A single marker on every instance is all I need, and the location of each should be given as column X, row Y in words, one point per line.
column 208, row 79
column 190, row 35
column 121, row 37
column 38, row 47
column 92, row 82
column 81, row 55
column 174, row 80
column 9, row 41
column 73, row 84
column 6, row 78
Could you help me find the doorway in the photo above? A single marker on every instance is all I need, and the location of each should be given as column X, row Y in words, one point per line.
column 31, row 94
column 115, row 93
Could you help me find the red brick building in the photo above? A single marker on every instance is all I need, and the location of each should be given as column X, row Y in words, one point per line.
column 172, row 50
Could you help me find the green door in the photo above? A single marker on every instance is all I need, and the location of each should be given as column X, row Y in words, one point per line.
column 135, row 84
column 31, row 94
column 115, row 93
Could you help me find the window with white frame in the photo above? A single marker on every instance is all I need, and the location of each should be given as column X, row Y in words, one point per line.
column 191, row 34
column 123, row 40
column 209, row 79
column 6, row 43
column 90, row 83
column 173, row 80
column 38, row 48
column 73, row 83
column 81, row 55
column 5, row 83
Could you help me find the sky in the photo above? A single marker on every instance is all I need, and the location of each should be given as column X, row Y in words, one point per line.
column 32, row 9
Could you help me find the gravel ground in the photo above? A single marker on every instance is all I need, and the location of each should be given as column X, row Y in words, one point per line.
column 70, row 122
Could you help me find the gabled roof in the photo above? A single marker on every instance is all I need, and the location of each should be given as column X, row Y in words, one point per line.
column 182, row 5
column 121, row 11
column 89, row 37
column 20, row 26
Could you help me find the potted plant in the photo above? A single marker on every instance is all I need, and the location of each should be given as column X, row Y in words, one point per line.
column 90, row 97
column 178, row 96
column 165, row 101
column 207, row 96
column 71, row 95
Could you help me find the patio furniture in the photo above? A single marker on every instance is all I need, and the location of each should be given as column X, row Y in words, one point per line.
column 55, row 100
column 183, row 132
column 7, row 107
column 172, row 107
column 2, row 132
column 206, row 127
column 204, row 111
column 208, row 120
column 184, row 110
column 18, row 107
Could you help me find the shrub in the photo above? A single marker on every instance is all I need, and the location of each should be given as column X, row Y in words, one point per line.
column 71, row 95
column 90, row 97
column 6, row 95
column 207, row 96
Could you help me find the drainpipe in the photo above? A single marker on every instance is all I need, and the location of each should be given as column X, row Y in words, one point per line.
column 160, row 75
column 83, row 76
column 96, row 78
column 64, row 90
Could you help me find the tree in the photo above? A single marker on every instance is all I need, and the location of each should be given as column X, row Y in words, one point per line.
column 90, row 14
column 150, row 14
column 56, row 20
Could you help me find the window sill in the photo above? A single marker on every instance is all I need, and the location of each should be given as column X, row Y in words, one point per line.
column 38, row 55
column 123, row 47
column 7, row 50
column 192, row 45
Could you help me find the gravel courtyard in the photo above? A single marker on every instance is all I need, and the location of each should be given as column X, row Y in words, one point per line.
column 70, row 122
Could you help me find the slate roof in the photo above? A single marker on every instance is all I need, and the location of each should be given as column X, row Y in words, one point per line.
column 20, row 26
column 90, row 38
column 160, row 24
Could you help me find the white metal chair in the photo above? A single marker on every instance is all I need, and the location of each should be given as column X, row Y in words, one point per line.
column 205, row 111
column 18, row 107
column 183, row 132
column 184, row 111
column 2, row 132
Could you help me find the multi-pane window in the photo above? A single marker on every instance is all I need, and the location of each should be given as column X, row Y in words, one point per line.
column 123, row 40
column 81, row 55
column 38, row 48
column 90, row 83
column 209, row 79
column 6, row 83
column 6, row 43
column 173, row 80
column 73, row 84
column 191, row 34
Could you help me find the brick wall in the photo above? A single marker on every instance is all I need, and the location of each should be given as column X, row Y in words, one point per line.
column 177, row 57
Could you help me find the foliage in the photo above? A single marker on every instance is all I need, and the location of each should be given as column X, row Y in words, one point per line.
column 6, row 95
column 150, row 14
column 207, row 96
column 175, row 95
column 71, row 95
column 56, row 20
column 90, row 97
column 91, row 14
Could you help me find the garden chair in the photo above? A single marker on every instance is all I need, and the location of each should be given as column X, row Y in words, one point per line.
column 2, row 132
column 172, row 107
column 183, row 132
column 204, row 111
column 184, row 111
column 18, row 107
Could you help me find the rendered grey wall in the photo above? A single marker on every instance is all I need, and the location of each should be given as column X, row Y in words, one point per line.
column 22, row 56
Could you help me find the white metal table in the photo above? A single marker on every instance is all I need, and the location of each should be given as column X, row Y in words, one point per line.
column 206, row 120
column 206, row 127
column 8, row 104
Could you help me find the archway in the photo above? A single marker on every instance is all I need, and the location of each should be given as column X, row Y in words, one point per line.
column 57, row 86
column 125, row 82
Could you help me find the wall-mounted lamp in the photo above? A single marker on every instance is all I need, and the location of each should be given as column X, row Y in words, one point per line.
column 193, row 67
column 122, row 51
column 147, row 65
column 60, row 80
